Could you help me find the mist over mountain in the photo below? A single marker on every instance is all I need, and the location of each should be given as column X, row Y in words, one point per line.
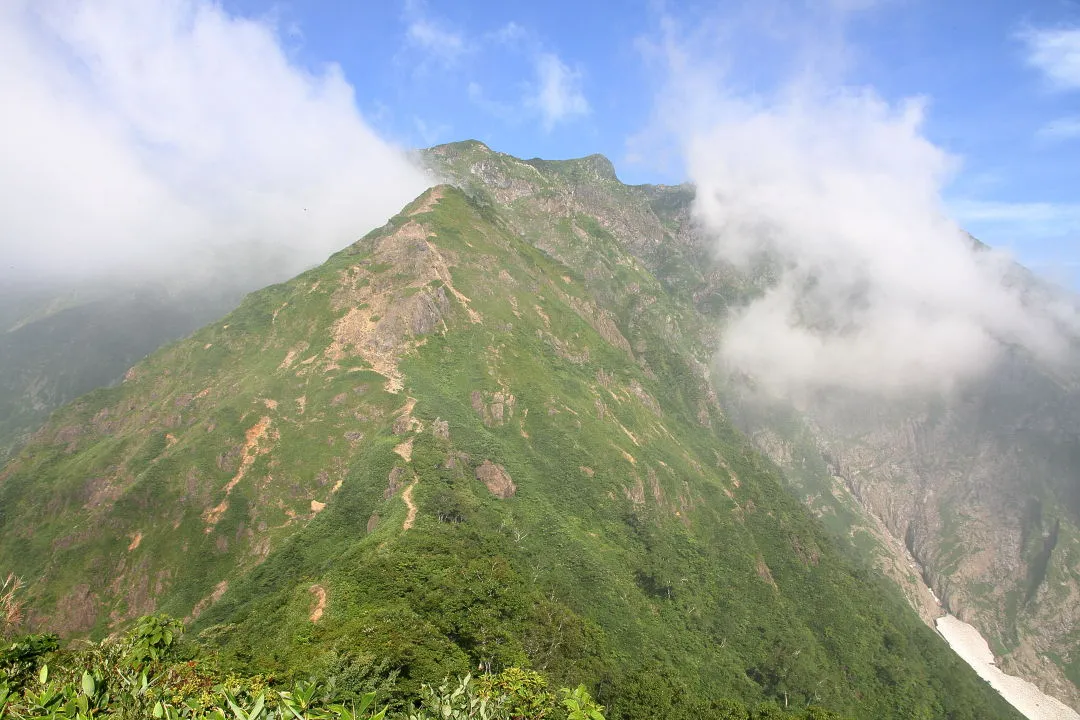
column 173, row 139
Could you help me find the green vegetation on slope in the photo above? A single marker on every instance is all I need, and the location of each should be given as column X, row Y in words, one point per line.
column 449, row 451
column 153, row 672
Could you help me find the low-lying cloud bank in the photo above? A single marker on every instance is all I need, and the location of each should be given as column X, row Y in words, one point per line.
column 878, row 290
column 163, row 137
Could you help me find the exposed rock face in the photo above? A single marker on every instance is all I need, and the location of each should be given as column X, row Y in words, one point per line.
column 496, row 408
column 383, row 316
column 441, row 429
column 496, row 479
column 978, row 491
column 394, row 483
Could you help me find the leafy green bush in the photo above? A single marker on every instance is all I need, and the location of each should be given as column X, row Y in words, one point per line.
column 20, row 660
column 152, row 639
column 138, row 676
column 526, row 693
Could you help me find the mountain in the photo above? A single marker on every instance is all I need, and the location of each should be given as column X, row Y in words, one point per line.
column 970, row 502
column 483, row 435
column 59, row 342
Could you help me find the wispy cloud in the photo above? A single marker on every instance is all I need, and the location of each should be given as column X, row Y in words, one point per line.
column 553, row 95
column 431, row 134
column 1056, row 53
column 557, row 95
column 1021, row 220
column 506, row 111
column 511, row 32
column 432, row 36
column 1065, row 128
column 153, row 136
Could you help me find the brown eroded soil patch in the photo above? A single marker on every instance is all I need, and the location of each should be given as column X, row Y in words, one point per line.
column 380, row 322
column 202, row 605
column 427, row 202
column 410, row 517
column 250, row 451
column 442, row 271
column 763, row 571
column 319, row 593
column 135, row 540
column 405, row 450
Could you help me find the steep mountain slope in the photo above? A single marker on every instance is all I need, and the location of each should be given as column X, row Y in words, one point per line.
column 975, row 493
column 447, row 448
column 980, row 489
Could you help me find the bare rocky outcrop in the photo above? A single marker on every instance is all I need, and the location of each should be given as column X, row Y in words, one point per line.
column 646, row 399
column 318, row 595
column 954, row 506
column 384, row 313
column 206, row 602
column 496, row 479
column 495, row 408
column 76, row 612
column 441, row 429
column 394, row 483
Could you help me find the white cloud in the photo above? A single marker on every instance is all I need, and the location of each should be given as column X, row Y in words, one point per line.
column 509, row 33
column 878, row 290
column 432, row 40
column 508, row 112
column 557, row 95
column 152, row 135
column 443, row 44
column 1065, row 128
column 1055, row 52
column 554, row 94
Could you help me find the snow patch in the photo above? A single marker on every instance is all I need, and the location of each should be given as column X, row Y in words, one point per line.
column 973, row 649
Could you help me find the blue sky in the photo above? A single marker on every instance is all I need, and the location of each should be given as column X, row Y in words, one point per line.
column 138, row 128
column 564, row 79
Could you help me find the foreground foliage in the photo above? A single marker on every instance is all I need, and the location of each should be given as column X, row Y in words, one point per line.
column 144, row 675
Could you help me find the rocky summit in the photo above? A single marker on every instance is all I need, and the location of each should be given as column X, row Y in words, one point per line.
column 488, row 435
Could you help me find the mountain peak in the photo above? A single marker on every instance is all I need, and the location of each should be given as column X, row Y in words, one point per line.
column 467, row 154
column 590, row 167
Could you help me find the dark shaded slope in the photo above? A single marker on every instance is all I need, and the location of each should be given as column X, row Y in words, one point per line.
column 57, row 346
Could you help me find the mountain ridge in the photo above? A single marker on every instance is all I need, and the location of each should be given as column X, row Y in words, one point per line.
column 295, row 477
